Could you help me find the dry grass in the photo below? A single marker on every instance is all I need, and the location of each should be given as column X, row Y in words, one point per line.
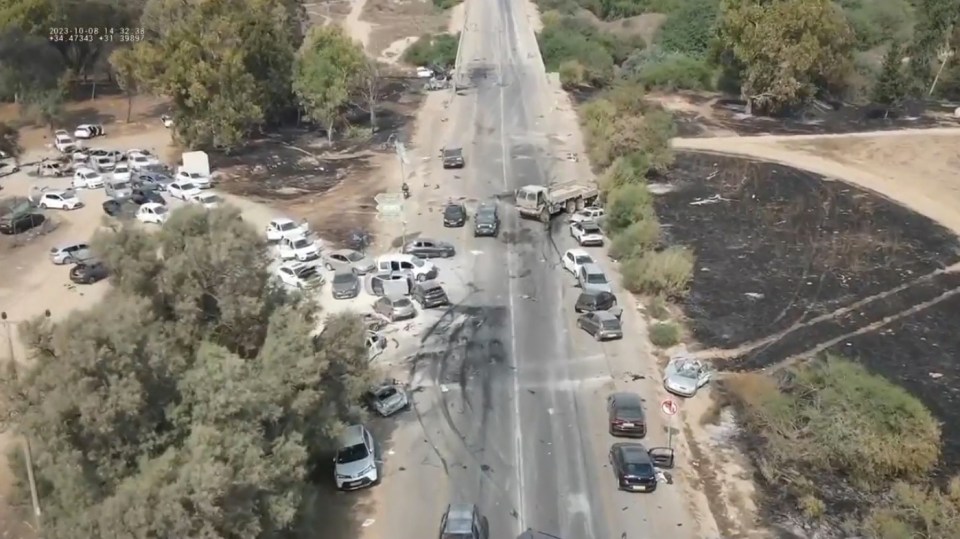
column 665, row 334
column 396, row 20
column 645, row 26
column 666, row 272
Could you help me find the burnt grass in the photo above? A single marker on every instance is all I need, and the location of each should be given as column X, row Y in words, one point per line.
column 817, row 119
column 788, row 262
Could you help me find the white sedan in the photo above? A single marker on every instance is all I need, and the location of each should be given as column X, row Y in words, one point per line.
column 575, row 258
column 88, row 131
column 300, row 275
column 153, row 212
column 587, row 214
column 138, row 160
column 60, row 200
column 285, row 228
column 301, row 248
column 587, row 233
column 207, row 200
column 183, row 190
column 86, row 178
column 197, row 179
column 121, row 173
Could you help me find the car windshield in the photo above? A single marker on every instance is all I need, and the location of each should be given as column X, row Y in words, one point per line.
column 612, row 323
column 687, row 370
column 455, row 152
column 486, row 215
column 287, row 226
column 140, row 158
column 596, row 278
column 352, row 454
column 90, row 175
column 121, row 185
column 453, row 211
column 193, row 175
column 344, row 278
column 121, row 169
column 306, row 272
column 301, row 244
column 639, row 469
column 186, row 186
column 583, row 259
column 159, row 210
column 354, row 257
column 592, row 228
column 401, row 303
column 208, row 199
column 417, row 262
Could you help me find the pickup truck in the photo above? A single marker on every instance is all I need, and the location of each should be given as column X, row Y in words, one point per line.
column 543, row 202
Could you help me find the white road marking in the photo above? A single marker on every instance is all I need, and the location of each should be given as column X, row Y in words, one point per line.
column 476, row 253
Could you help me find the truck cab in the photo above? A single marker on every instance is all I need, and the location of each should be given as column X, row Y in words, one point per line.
column 531, row 199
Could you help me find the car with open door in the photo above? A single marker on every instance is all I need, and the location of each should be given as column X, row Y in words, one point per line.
column 635, row 466
column 396, row 282
column 684, row 376
column 626, row 415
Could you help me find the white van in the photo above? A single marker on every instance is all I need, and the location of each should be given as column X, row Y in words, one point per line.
column 399, row 262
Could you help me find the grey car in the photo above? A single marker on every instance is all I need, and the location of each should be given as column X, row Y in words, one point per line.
column 70, row 253
column 463, row 521
column 117, row 189
column 345, row 285
column 388, row 399
column 395, row 308
column 602, row 325
column 684, row 376
column 154, row 181
column 453, row 158
column 427, row 248
column 348, row 260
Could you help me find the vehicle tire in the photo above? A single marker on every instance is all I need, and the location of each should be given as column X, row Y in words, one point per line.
column 597, row 337
column 68, row 260
column 43, row 205
column 421, row 278
column 578, row 311
column 328, row 267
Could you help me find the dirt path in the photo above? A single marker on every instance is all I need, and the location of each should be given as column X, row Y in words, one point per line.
column 356, row 27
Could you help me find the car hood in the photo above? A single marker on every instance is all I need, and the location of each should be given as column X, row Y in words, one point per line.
column 681, row 383
column 598, row 287
column 392, row 402
column 353, row 469
column 344, row 287
column 405, row 310
column 364, row 264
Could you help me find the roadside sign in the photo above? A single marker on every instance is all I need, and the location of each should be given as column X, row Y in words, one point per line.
column 669, row 407
column 402, row 153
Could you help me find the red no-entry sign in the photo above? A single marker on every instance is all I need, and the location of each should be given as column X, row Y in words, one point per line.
column 668, row 407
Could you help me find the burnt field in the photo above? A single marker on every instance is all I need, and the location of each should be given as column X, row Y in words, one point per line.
column 731, row 114
column 777, row 248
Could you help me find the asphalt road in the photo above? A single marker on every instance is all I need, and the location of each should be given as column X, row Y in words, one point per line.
column 509, row 396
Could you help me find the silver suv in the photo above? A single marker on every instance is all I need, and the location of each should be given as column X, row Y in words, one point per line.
column 463, row 521
column 355, row 465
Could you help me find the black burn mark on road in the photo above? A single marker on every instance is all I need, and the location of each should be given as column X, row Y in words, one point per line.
column 776, row 246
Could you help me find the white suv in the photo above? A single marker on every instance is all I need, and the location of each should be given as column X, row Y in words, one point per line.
column 355, row 465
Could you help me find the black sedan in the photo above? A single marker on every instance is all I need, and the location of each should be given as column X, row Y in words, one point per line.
column 88, row 272
column 425, row 248
column 625, row 415
column 119, row 208
column 633, row 467
column 454, row 215
column 141, row 196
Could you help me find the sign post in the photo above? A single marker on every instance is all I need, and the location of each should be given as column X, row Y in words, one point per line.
column 669, row 408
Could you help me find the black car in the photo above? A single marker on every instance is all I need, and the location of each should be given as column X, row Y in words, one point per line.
column 20, row 223
column 453, row 158
column 425, row 248
column 592, row 300
column 119, row 208
column 429, row 294
column 454, row 215
column 626, row 416
column 633, row 467
column 141, row 196
column 88, row 272
column 487, row 221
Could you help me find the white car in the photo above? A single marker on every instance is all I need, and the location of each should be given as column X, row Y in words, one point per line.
column 587, row 214
column 355, row 464
column 587, row 233
column 60, row 200
column 139, row 160
column 88, row 131
column 207, row 200
column 183, row 190
column 424, row 73
column 201, row 181
column 285, row 228
column 300, row 248
column 575, row 258
column 121, row 173
column 65, row 143
column 153, row 212
column 300, row 275
column 86, row 178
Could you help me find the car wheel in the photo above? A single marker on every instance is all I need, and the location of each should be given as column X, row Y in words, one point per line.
column 597, row 336
column 43, row 205
column 421, row 278
column 67, row 260
column 328, row 267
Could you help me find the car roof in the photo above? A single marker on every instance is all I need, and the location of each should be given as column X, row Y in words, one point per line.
column 292, row 264
column 590, row 267
column 634, row 453
column 578, row 252
column 627, row 398
column 604, row 315
column 151, row 205
column 459, row 518
column 351, row 435
column 72, row 244
column 343, row 252
column 429, row 285
column 281, row 221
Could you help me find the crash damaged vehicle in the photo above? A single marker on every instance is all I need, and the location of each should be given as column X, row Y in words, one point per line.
column 684, row 376
column 388, row 398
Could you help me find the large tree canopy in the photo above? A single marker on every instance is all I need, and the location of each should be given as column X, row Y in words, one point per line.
column 190, row 401
column 788, row 49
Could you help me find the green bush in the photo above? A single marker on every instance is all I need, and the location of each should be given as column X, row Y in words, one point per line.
column 664, row 334
column 675, row 72
column 440, row 49
column 446, row 4
column 877, row 22
column 915, row 511
column 572, row 74
column 666, row 272
column 627, row 170
column 567, row 38
column 690, row 29
column 627, row 205
column 637, row 239
column 657, row 309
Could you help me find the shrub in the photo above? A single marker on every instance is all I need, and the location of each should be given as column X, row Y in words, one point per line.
column 833, row 418
column 560, row 43
column 657, row 308
column 438, row 50
column 666, row 272
column 690, row 29
column 876, row 23
column 446, row 4
column 664, row 334
column 627, row 170
column 627, row 205
column 916, row 511
column 572, row 74
column 675, row 71
column 635, row 240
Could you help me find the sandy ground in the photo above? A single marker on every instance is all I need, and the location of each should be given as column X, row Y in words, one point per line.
column 395, row 21
column 357, row 27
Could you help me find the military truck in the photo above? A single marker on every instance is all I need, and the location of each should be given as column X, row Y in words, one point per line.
column 543, row 202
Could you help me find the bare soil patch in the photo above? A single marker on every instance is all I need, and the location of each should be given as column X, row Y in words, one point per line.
column 646, row 25
column 394, row 20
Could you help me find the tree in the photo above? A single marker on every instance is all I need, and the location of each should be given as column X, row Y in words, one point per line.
column 10, row 142
column 892, row 86
column 368, row 88
column 47, row 107
column 28, row 65
column 190, row 402
column 123, row 63
column 936, row 20
column 789, row 49
column 324, row 73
